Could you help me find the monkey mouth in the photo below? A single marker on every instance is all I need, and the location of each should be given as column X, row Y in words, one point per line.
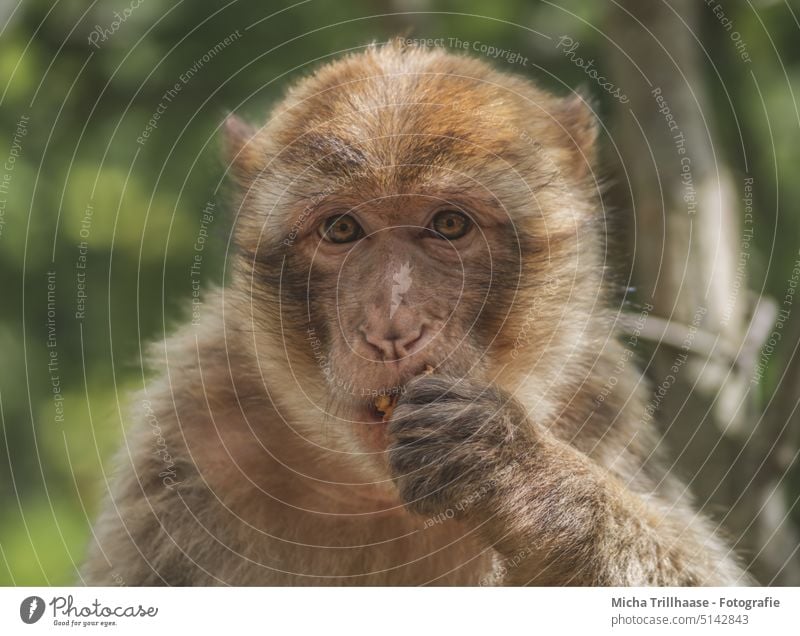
column 382, row 404
column 377, row 415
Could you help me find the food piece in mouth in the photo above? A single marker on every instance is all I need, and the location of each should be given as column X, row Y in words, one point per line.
column 384, row 404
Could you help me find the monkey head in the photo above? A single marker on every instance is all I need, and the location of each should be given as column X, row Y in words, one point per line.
column 406, row 207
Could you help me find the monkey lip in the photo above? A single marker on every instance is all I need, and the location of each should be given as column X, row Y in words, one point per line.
column 374, row 416
column 384, row 400
column 379, row 407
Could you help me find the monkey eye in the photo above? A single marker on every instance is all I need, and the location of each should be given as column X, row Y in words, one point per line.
column 450, row 224
column 340, row 229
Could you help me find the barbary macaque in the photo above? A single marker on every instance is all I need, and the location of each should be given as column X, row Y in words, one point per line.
column 414, row 375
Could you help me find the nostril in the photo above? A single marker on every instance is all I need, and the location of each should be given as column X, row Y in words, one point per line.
column 405, row 346
column 384, row 347
column 394, row 348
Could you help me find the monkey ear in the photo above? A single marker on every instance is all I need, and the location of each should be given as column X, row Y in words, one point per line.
column 243, row 149
column 579, row 120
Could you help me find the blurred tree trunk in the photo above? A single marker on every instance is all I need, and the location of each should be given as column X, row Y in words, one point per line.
column 687, row 245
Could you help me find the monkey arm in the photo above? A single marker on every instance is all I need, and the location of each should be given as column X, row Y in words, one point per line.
column 157, row 522
column 563, row 519
column 554, row 515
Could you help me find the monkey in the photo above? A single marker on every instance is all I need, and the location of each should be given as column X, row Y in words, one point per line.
column 412, row 223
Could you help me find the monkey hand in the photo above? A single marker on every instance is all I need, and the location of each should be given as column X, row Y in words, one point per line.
column 453, row 443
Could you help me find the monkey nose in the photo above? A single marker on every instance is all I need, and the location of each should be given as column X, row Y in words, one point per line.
column 391, row 345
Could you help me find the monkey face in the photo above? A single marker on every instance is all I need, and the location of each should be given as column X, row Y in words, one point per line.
column 401, row 282
column 398, row 212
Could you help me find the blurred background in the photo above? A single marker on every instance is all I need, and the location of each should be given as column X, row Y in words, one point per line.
column 110, row 111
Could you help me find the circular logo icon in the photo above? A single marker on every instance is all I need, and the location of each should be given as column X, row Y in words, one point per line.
column 31, row 609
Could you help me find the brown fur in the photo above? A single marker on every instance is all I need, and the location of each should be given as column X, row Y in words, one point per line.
column 255, row 459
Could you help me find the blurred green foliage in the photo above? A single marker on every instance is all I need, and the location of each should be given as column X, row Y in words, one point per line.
column 87, row 105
